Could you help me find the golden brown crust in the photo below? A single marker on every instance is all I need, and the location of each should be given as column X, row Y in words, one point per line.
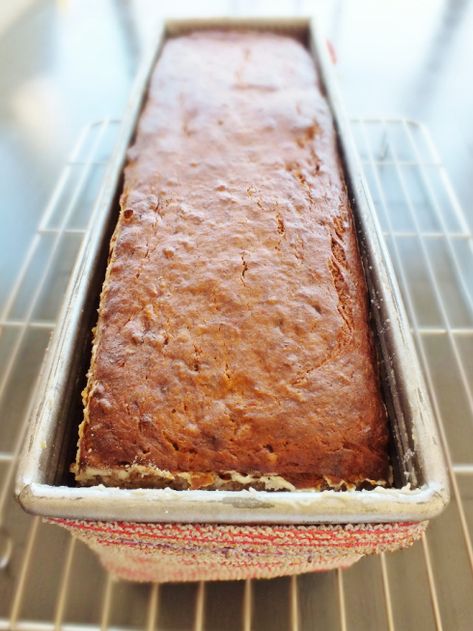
column 232, row 331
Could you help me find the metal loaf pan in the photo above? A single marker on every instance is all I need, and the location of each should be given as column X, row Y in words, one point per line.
column 44, row 485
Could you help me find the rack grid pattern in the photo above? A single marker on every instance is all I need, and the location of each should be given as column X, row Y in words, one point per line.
column 49, row 581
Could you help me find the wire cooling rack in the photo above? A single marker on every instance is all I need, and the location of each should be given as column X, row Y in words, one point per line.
column 49, row 581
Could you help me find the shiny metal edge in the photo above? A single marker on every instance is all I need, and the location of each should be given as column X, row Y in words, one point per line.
column 420, row 503
column 167, row 505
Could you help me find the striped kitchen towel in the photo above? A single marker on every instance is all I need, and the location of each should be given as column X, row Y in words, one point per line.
column 192, row 552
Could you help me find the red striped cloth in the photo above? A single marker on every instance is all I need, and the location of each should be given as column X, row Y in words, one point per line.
column 191, row 552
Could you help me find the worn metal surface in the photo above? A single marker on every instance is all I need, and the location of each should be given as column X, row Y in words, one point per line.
column 43, row 486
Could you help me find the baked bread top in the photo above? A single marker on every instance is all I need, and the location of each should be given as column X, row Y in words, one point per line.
column 232, row 347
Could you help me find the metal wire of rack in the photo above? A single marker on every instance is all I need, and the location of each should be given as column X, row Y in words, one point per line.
column 50, row 581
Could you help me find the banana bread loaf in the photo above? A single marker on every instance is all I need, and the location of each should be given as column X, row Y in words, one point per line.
column 232, row 347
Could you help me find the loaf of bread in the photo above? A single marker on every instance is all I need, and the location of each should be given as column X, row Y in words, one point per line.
column 233, row 348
